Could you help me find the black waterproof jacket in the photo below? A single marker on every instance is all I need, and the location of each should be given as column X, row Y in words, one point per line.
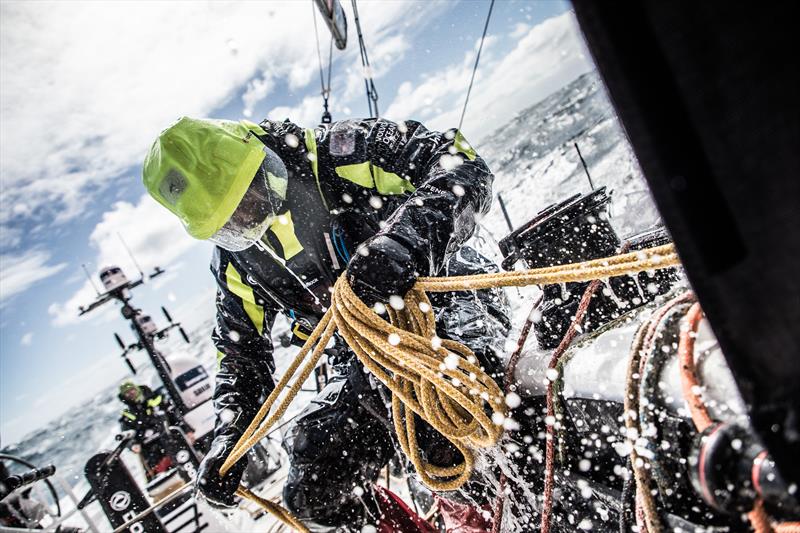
column 140, row 415
column 348, row 181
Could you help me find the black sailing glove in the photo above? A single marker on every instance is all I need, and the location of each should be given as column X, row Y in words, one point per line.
column 381, row 268
column 219, row 492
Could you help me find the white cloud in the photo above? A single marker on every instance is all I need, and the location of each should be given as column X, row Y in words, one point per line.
column 348, row 79
column 27, row 339
column 307, row 113
column 10, row 237
column 20, row 272
column 441, row 91
column 383, row 55
column 155, row 237
column 520, row 29
column 548, row 56
column 257, row 90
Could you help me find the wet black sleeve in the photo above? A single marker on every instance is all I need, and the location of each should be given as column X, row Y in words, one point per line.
column 242, row 338
column 452, row 184
column 126, row 424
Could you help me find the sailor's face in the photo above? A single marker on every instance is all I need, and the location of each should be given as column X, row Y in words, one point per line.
column 132, row 394
column 253, row 210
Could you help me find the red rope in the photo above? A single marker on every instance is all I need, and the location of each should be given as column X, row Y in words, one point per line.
column 508, row 380
column 549, row 468
column 511, row 368
column 497, row 514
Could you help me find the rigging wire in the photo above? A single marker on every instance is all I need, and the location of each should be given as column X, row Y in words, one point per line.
column 475, row 67
column 325, row 88
column 369, row 84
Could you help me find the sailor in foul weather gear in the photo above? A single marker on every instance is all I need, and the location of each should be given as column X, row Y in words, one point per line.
column 291, row 210
column 146, row 414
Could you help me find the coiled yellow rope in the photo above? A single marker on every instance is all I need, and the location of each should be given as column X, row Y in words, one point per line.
column 438, row 379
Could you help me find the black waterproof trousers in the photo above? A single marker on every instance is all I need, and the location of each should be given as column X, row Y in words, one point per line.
column 341, row 441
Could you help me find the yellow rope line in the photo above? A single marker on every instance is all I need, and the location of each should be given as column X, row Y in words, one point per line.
column 407, row 356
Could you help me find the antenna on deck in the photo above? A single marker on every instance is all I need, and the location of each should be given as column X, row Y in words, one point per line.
column 86, row 271
column 124, row 244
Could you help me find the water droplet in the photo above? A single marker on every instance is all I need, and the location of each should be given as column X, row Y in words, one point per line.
column 291, row 140
column 513, row 400
column 498, row 418
column 396, row 302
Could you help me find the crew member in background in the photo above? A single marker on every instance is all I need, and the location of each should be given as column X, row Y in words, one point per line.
column 291, row 210
column 147, row 414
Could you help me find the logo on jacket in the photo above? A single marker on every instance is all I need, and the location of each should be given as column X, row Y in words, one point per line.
column 387, row 134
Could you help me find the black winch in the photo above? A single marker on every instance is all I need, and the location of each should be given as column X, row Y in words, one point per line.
column 576, row 230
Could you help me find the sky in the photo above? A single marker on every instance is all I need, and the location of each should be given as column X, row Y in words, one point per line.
column 85, row 87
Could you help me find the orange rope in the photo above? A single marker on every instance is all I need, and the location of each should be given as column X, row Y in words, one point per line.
column 759, row 519
column 689, row 381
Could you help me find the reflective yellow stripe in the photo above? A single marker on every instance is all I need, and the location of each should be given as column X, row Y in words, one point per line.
column 283, row 229
column 358, row 174
column 299, row 334
column 220, row 356
column 311, row 146
column 128, row 415
column 154, row 402
column 245, row 292
column 390, row 183
column 369, row 176
column 463, row 146
column 277, row 184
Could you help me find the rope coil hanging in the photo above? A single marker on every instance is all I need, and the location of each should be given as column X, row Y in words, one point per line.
column 417, row 367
